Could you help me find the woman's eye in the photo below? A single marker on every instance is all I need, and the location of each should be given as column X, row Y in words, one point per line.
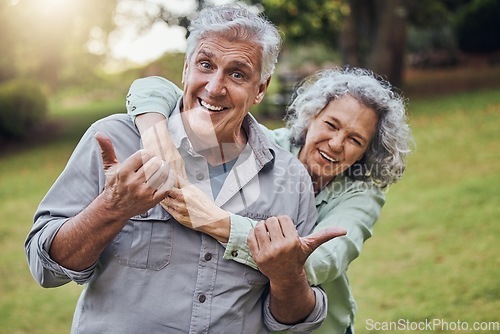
column 331, row 125
column 356, row 141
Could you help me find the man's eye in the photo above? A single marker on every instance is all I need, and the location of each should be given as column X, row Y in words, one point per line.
column 237, row 75
column 205, row 64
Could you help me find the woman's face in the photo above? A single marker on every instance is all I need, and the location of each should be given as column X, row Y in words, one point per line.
column 336, row 138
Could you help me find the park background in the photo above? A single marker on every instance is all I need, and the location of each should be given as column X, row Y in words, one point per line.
column 434, row 255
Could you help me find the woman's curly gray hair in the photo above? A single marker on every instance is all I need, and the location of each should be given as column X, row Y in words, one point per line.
column 241, row 24
column 384, row 160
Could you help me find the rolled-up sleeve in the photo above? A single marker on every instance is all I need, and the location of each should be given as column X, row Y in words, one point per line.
column 152, row 94
column 312, row 322
column 44, row 269
column 76, row 187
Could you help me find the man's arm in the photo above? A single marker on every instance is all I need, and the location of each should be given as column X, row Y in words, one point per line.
column 131, row 189
column 280, row 254
column 73, row 224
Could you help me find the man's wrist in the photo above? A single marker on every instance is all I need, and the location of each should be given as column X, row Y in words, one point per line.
column 290, row 302
column 298, row 282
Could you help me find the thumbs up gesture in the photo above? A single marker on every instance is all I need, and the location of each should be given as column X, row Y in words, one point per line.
column 136, row 184
column 279, row 251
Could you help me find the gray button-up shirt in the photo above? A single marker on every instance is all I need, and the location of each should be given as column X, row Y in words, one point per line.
column 158, row 276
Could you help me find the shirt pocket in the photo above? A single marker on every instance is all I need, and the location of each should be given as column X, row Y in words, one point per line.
column 145, row 242
column 255, row 277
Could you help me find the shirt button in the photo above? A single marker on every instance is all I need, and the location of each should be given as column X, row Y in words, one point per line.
column 202, row 298
column 234, row 253
column 144, row 215
column 208, row 256
column 200, row 176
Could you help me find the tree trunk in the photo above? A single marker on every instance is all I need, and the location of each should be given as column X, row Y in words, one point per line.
column 376, row 32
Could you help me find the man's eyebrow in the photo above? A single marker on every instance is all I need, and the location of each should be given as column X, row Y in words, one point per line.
column 235, row 63
column 242, row 64
column 206, row 53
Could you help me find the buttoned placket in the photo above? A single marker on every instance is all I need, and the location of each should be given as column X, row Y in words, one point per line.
column 205, row 282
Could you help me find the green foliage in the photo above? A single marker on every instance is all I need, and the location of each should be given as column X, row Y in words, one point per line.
column 429, row 39
column 22, row 105
column 478, row 24
column 429, row 13
column 307, row 21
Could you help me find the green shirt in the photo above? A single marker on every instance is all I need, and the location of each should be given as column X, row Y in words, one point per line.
column 350, row 204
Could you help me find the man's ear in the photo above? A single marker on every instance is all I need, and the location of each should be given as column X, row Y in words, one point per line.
column 184, row 71
column 262, row 91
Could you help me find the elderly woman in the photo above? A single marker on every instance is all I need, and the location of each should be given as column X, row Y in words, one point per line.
column 349, row 128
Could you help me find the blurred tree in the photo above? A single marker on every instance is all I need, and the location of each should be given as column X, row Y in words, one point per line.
column 307, row 21
column 370, row 34
column 374, row 36
column 478, row 25
column 40, row 38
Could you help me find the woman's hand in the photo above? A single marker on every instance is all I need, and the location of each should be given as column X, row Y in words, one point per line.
column 186, row 203
column 156, row 139
column 195, row 210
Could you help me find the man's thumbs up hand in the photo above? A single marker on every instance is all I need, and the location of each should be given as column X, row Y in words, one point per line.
column 137, row 184
column 279, row 252
column 107, row 152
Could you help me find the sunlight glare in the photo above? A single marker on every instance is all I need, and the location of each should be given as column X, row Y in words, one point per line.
column 54, row 7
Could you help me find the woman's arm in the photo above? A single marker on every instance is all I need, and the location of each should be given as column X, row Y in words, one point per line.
column 153, row 95
column 357, row 212
column 149, row 102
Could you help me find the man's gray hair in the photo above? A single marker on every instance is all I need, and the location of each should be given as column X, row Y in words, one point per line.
column 384, row 159
column 238, row 23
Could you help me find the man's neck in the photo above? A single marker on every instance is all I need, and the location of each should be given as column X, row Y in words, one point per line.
column 222, row 153
column 217, row 149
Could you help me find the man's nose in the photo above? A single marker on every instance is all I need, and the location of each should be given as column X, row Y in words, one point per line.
column 216, row 85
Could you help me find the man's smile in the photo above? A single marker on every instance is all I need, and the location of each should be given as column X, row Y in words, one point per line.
column 210, row 107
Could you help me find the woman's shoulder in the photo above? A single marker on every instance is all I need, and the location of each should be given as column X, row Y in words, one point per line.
column 280, row 136
column 344, row 187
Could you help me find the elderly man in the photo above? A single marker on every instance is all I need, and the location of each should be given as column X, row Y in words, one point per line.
column 100, row 224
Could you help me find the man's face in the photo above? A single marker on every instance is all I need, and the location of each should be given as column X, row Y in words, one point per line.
column 221, row 83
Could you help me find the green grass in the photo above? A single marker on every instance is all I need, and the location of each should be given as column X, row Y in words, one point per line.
column 434, row 254
column 24, row 178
